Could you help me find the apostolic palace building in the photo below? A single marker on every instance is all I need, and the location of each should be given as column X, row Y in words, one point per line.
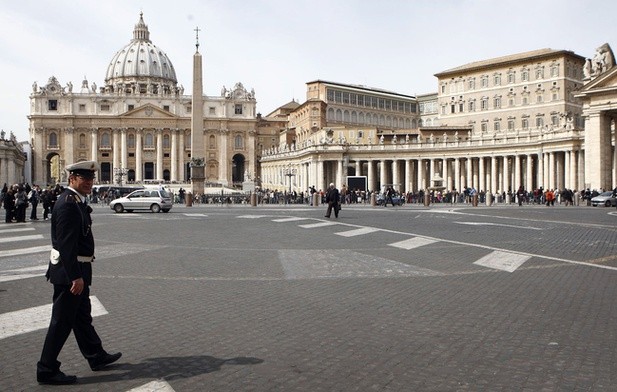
column 543, row 118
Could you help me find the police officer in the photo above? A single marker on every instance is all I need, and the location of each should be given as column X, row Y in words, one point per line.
column 70, row 271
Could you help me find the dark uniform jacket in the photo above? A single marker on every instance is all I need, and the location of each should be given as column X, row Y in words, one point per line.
column 332, row 196
column 71, row 235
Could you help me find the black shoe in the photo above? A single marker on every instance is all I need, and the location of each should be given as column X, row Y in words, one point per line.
column 326, row 216
column 104, row 360
column 57, row 379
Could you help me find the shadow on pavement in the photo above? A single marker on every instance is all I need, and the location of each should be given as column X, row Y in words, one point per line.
column 167, row 368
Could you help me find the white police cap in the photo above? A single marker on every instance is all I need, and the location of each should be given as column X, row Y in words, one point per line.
column 84, row 168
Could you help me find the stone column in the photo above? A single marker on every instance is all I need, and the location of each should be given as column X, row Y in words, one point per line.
column 494, row 175
column 481, row 170
column 407, row 186
column 529, row 185
column 116, row 152
column 372, row 184
column 457, row 174
column 566, row 169
column 395, row 176
column 421, row 170
column 469, row 178
column 382, row 174
column 598, row 153
column 540, row 174
column 181, row 163
column 224, row 161
column 159, row 153
column 139, row 164
column 358, row 167
column 518, row 181
column 124, row 155
column 174, row 155
column 69, row 147
column 551, row 171
column 339, row 174
column 94, row 146
column 507, row 175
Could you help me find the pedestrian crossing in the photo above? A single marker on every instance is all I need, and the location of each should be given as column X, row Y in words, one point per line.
column 495, row 259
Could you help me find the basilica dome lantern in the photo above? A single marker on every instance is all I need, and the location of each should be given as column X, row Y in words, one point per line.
column 140, row 67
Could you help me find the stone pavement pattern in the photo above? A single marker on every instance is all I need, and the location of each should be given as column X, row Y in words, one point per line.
column 245, row 299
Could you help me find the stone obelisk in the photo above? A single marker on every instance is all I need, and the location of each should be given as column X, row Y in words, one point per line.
column 197, row 125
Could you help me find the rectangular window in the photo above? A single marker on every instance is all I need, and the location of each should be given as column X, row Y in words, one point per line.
column 131, row 107
column 511, row 102
column 472, row 106
column 189, row 109
column 330, row 95
column 484, row 104
column 497, row 102
column 539, row 122
column 497, row 80
column 460, row 107
column 338, row 96
column 485, row 81
column 212, row 110
column 452, row 108
column 166, row 108
column 510, row 125
column 539, row 98
column 525, row 123
column 353, row 98
column 484, row 127
column 104, row 107
column 555, row 120
column 497, row 126
column 238, row 109
column 82, row 107
column 511, row 78
column 360, row 100
column 525, row 100
column 555, row 97
column 346, row 98
column 52, row 104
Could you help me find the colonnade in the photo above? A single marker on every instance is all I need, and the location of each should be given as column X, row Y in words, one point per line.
column 495, row 172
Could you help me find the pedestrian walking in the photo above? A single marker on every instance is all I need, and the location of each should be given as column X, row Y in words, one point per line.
column 70, row 271
column 332, row 198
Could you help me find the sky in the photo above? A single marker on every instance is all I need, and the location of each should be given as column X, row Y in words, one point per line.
column 276, row 46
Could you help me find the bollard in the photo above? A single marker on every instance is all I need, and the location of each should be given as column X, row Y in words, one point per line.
column 427, row 199
column 373, row 199
column 475, row 200
column 253, row 199
column 489, row 199
column 189, row 199
column 316, row 199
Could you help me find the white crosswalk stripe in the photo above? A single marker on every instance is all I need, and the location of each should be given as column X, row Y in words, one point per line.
column 504, row 261
column 21, row 238
column 154, row 386
column 412, row 243
column 17, row 230
column 316, row 225
column 32, row 319
column 24, row 251
column 360, row 231
column 291, row 219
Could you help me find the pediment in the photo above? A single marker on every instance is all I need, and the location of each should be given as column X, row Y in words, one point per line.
column 606, row 81
column 148, row 111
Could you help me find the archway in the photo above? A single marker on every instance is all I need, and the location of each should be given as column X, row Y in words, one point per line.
column 237, row 172
column 55, row 169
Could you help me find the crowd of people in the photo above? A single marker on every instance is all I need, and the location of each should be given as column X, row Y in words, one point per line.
column 18, row 198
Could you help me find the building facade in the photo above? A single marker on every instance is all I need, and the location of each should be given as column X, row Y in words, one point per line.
column 495, row 125
column 138, row 125
column 12, row 160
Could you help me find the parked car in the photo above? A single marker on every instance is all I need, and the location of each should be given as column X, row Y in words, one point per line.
column 604, row 199
column 155, row 200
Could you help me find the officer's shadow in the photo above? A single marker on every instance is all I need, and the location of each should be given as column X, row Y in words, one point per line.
column 167, row 368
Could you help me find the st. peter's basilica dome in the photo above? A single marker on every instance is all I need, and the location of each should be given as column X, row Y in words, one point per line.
column 140, row 67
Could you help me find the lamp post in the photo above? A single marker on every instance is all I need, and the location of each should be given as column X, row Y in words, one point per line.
column 119, row 174
column 290, row 172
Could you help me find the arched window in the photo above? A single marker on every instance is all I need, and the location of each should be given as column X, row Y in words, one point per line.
column 82, row 140
column 339, row 115
column 346, row 116
column 53, row 140
column 105, row 140
column 331, row 114
column 131, row 141
column 166, row 141
column 361, row 119
column 238, row 142
column 212, row 143
column 354, row 117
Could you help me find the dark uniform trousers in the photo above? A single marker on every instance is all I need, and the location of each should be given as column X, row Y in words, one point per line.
column 69, row 313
